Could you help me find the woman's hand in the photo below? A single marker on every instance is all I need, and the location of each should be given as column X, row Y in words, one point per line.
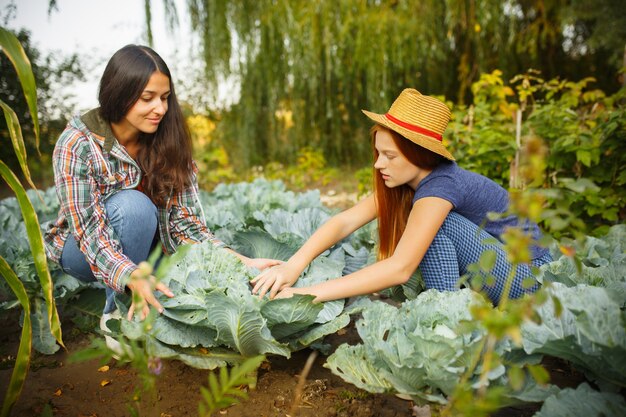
column 143, row 294
column 260, row 263
column 288, row 292
column 274, row 280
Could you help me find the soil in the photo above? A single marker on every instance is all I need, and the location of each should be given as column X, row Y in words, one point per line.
column 56, row 387
column 84, row 390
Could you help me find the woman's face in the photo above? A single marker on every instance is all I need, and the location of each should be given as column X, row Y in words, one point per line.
column 394, row 167
column 149, row 109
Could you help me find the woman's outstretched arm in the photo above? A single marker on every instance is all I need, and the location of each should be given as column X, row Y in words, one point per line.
column 331, row 232
column 425, row 219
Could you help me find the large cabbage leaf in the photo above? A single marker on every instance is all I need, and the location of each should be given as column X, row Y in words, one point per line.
column 583, row 402
column 234, row 206
column 590, row 332
column 293, row 227
column 418, row 349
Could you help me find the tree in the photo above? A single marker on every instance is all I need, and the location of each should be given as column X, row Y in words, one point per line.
column 323, row 61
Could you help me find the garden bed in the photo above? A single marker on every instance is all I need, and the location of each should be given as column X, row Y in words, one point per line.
column 83, row 390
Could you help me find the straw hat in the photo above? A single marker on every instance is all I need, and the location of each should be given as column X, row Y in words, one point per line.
column 421, row 119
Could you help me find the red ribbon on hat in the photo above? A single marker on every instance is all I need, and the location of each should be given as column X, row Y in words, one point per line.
column 414, row 128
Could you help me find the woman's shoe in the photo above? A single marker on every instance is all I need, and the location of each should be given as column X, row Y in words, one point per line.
column 112, row 344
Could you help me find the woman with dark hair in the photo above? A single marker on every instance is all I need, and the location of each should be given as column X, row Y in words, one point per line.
column 126, row 182
column 431, row 213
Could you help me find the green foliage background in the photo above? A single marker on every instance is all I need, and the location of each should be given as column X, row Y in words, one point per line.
column 583, row 130
column 324, row 61
column 302, row 71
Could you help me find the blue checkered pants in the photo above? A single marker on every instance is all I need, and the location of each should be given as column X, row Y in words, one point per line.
column 458, row 244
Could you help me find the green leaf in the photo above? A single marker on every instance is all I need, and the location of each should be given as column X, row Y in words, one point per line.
column 487, row 259
column 287, row 316
column 22, row 361
column 539, row 374
column 169, row 332
column 37, row 248
column 241, row 328
column 15, row 131
column 225, row 392
column 528, row 282
column 582, row 402
column 417, row 349
column 516, row 377
column 584, row 157
column 197, row 358
column 14, row 51
column 558, row 307
column 349, row 362
column 259, row 244
column 318, row 332
column 43, row 340
column 590, row 331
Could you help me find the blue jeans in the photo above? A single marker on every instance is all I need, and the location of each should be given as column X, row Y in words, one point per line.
column 458, row 244
column 133, row 217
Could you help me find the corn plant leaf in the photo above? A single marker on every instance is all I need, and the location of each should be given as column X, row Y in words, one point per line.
column 11, row 47
column 36, row 244
column 15, row 131
column 22, row 361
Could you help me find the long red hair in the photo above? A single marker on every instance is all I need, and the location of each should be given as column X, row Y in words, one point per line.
column 394, row 204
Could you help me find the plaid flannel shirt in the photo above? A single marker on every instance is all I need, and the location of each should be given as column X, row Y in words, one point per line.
column 90, row 166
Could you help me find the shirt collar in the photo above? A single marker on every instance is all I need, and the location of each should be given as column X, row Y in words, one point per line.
column 97, row 125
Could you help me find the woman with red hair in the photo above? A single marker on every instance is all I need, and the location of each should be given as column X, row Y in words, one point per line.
column 431, row 213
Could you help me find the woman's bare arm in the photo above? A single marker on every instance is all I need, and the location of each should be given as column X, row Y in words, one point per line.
column 331, row 232
column 425, row 219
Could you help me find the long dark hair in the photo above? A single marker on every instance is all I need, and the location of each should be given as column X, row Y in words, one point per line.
column 165, row 156
column 394, row 204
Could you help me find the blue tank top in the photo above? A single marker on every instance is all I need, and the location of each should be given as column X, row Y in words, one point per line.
column 473, row 196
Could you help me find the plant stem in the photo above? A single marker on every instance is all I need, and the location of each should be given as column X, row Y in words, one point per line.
column 301, row 380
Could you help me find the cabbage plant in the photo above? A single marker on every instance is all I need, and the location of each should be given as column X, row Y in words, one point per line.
column 599, row 261
column 421, row 349
column 583, row 402
column 214, row 319
column 587, row 328
column 260, row 219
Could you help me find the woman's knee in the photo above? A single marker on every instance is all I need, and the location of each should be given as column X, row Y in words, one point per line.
column 439, row 266
column 132, row 209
